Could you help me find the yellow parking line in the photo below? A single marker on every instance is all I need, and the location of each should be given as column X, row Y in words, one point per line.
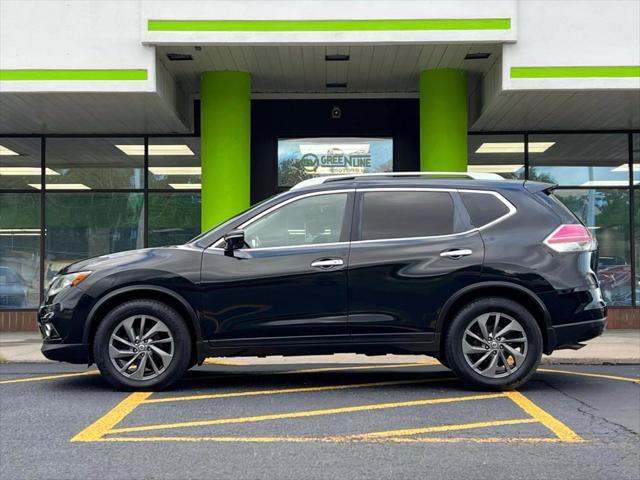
column 292, row 390
column 556, row 426
column 307, row 413
column 337, row 439
column 215, row 361
column 594, row 375
column 97, row 429
column 363, row 367
column 49, row 377
column 445, row 428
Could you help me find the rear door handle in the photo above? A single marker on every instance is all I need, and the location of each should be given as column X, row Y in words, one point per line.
column 456, row 253
column 327, row 263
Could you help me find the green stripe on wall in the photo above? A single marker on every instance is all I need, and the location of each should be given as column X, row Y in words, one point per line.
column 71, row 74
column 327, row 25
column 574, row 72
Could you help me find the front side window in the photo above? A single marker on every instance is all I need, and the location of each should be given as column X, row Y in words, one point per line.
column 406, row 214
column 310, row 220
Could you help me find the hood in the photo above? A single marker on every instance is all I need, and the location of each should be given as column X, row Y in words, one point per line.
column 130, row 258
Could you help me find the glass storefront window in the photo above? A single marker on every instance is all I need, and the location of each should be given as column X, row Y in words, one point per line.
column 174, row 218
column 94, row 163
column 82, row 225
column 606, row 213
column 585, row 160
column 501, row 154
column 19, row 250
column 174, row 163
column 635, row 143
column 302, row 158
column 20, row 163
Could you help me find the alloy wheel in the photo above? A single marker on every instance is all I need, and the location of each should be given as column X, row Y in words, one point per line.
column 141, row 347
column 494, row 345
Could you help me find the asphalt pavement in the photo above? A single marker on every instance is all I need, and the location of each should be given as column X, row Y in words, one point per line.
column 297, row 421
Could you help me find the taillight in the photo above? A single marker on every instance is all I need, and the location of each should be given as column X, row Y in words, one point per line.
column 571, row 238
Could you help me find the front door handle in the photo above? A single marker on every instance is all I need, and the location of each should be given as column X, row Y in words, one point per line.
column 456, row 253
column 327, row 263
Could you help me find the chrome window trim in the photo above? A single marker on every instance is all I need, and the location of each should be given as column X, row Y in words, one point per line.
column 512, row 211
column 509, row 205
column 216, row 244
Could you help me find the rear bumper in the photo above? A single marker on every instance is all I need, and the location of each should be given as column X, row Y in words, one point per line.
column 573, row 333
column 66, row 352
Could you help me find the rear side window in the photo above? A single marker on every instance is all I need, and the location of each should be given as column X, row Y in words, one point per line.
column 406, row 214
column 483, row 208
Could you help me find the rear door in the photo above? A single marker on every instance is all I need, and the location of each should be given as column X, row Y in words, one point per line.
column 412, row 249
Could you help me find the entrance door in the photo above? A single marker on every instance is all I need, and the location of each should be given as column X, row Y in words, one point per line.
column 290, row 280
column 406, row 260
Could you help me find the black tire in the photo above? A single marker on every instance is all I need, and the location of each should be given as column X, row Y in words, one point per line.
column 454, row 355
column 174, row 322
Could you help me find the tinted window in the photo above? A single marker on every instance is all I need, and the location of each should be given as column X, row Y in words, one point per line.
column 406, row 214
column 483, row 207
column 310, row 220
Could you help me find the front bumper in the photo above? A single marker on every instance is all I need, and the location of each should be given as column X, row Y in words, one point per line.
column 66, row 352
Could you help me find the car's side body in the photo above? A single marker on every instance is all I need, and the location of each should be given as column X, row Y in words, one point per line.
column 389, row 295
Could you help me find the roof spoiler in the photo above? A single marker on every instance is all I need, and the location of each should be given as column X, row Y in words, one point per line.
column 535, row 187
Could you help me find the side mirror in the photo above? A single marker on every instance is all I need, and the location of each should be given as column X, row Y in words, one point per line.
column 234, row 240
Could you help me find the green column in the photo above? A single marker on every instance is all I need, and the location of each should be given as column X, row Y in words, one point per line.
column 225, row 125
column 443, row 120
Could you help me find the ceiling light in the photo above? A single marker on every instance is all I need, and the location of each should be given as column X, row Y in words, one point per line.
column 494, row 168
column 175, row 170
column 477, row 56
column 61, row 186
column 625, row 168
column 26, row 171
column 336, row 57
column 513, row 147
column 179, row 57
column 18, row 230
column 185, row 186
column 336, row 85
column 7, row 151
column 159, row 150
column 608, row 183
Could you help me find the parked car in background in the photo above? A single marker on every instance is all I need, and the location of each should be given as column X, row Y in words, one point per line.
column 13, row 292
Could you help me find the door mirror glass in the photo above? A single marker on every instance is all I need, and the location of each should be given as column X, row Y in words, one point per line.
column 234, row 240
column 310, row 220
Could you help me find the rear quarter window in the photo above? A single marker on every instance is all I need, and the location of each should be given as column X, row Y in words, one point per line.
column 483, row 208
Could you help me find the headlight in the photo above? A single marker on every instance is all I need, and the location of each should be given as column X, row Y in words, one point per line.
column 64, row 281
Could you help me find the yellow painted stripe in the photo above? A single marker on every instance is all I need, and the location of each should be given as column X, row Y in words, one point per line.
column 308, row 413
column 445, row 428
column 593, row 375
column 100, row 427
column 563, row 432
column 291, row 390
column 215, row 361
column 336, row 439
column 364, row 367
column 49, row 377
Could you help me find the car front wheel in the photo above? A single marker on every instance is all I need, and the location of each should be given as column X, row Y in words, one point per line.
column 142, row 344
column 493, row 343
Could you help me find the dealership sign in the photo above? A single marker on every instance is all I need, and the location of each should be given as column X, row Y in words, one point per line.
column 299, row 159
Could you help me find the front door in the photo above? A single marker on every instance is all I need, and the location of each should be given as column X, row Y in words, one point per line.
column 289, row 281
column 412, row 249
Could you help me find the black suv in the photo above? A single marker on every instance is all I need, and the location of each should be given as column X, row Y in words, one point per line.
column 484, row 274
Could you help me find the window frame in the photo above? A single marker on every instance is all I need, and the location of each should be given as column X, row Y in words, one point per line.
column 457, row 206
column 347, row 222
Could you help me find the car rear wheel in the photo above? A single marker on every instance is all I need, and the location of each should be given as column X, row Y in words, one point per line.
column 142, row 344
column 493, row 343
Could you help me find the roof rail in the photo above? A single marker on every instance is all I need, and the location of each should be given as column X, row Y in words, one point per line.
column 310, row 182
